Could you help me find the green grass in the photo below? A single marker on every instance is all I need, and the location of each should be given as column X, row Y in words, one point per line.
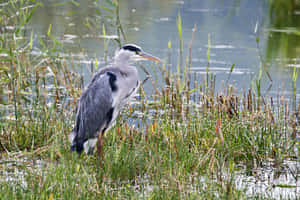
column 188, row 144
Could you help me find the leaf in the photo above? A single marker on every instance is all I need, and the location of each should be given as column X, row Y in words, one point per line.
column 295, row 74
column 71, row 12
column 77, row 168
column 98, row 11
column 5, row 51
column 49, row 30
column 60, row 4
column 105, row 8
column 218, row 131
column 232, row 66
column 195, row 89
column 169, row 44
column 30, row 43
column 231, row 70
column 103, row 30
column 182, row 85
column 208, row 48
column 96, row 63
column 112, row 3
column 179, row 26
column 75, row 3
column 56, row 42
column 4, row 68
column 178, row 69
column 37, row 3
column 51, row 196
column 285, row 186
column 27, row 18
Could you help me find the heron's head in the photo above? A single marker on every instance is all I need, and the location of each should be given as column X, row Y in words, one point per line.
column 132, row 52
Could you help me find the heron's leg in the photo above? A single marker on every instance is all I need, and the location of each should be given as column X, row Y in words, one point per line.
column 100, row 143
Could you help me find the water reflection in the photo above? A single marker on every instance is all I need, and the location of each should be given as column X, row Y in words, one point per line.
column 233, row 26
column 77, row 25
column 283, row 34
column 264, row 184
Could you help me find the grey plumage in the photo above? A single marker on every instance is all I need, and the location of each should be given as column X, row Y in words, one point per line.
column 104, row 97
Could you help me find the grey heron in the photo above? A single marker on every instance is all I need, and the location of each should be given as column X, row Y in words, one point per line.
column 104, row 97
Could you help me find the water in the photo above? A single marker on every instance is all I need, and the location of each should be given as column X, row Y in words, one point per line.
column 243, row 33
column 267, row 182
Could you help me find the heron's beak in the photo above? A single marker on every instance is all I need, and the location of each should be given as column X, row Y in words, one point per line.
column 150, row 57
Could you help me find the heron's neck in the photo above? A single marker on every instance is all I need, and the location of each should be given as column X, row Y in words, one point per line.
column 122, row 58
column 126, row 69
column 122, row 62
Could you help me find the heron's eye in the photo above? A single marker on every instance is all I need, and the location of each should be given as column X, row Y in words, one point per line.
column 138, row 52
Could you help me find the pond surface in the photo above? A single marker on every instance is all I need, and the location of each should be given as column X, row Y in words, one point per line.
column 244, row 33
column 267, row 181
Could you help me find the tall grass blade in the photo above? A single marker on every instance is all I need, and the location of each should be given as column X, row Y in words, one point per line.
column 179, row 28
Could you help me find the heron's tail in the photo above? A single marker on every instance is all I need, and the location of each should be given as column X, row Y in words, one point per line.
column 75, row 144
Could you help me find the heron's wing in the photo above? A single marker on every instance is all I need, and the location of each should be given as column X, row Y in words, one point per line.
column 95, row 108
column 124, row 83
